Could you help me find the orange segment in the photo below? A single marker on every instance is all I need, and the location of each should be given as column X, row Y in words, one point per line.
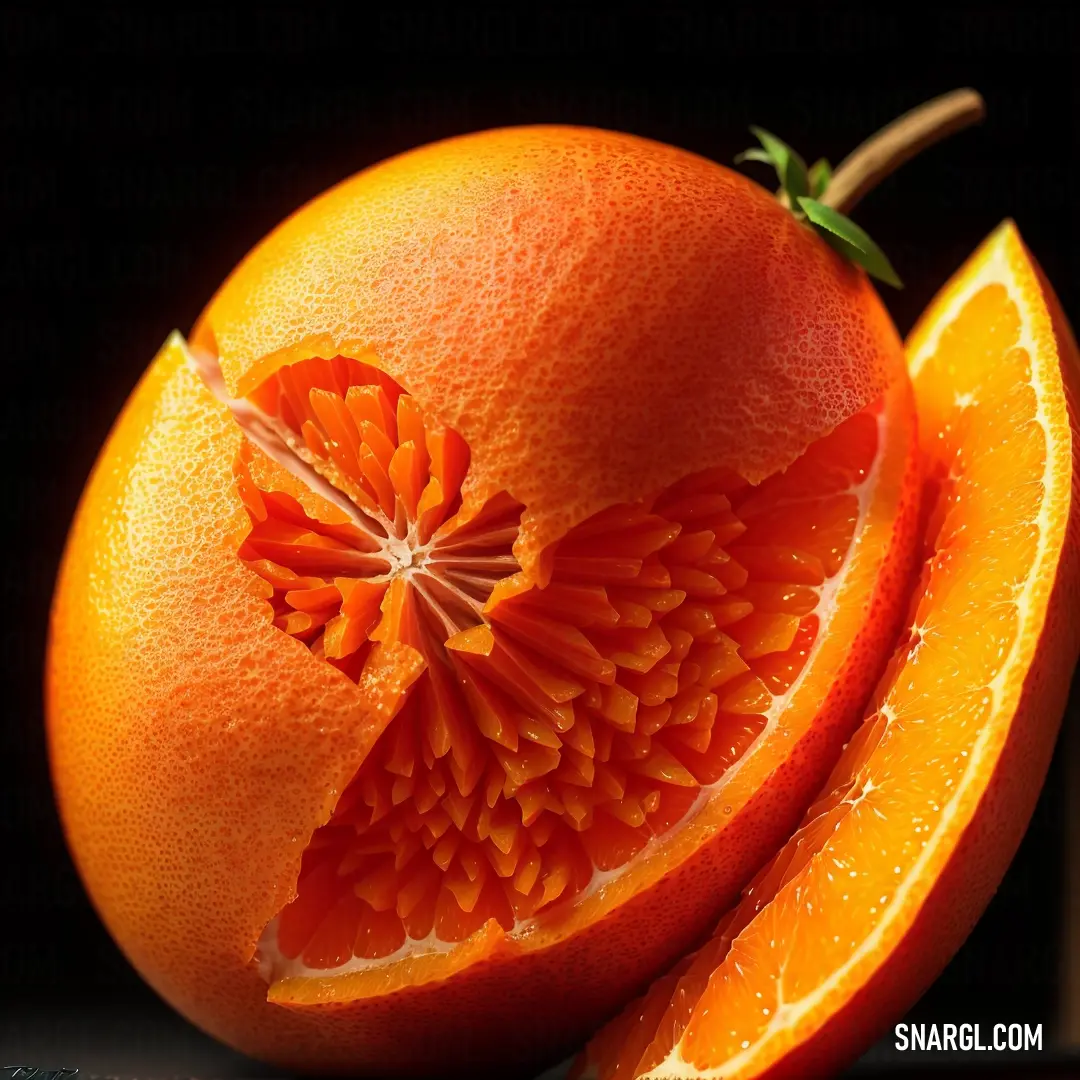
column 896, row 859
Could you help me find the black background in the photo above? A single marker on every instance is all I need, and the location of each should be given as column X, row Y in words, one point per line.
column 142, row 154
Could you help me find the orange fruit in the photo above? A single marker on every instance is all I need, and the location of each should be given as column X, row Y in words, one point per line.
column 893, row 863
column 450, row 631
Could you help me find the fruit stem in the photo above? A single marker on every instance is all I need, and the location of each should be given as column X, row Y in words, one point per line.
column 868, row 164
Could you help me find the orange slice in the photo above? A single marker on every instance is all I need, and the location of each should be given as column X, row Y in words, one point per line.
column 897, row 858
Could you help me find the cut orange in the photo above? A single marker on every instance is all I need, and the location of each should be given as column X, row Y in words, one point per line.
column 897, row 858
column 562, row 748
column 451, row 630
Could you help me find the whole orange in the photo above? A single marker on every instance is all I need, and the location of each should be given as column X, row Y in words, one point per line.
column 447, row 633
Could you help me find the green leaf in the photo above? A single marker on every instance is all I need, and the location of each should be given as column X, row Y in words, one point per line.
column 820, row 175
column 790, row 168
column 755, row 153
column 850, row 241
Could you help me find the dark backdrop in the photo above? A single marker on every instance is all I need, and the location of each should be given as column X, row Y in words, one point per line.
column 143, row 154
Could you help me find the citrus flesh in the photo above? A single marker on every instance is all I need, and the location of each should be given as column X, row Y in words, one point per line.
column 546, row 740
column 386, row 692
column 897, row 857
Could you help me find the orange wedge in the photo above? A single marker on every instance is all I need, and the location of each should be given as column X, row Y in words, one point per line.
column 897, row 858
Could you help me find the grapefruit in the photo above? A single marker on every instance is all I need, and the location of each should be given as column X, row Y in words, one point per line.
column 839, row 934
column 449, row 631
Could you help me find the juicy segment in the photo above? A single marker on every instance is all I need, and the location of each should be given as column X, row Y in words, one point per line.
column 820, row 919
column 538, row 737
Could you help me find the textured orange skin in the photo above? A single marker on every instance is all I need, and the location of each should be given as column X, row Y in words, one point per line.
column 658, row 306
column 497, row 274
column 973, row 873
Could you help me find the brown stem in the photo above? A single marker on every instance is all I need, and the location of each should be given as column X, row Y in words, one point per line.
column 866, row 166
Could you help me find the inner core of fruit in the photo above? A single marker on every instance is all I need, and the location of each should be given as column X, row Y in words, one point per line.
column 536, row 740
